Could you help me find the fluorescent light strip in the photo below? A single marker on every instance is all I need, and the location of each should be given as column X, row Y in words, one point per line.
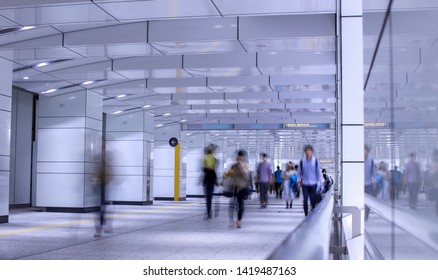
column 50, row 90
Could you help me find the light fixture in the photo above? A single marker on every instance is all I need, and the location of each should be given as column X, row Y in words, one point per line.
column 87, row 83
column 159, row 125
column 167, row 114
column 50, row 90
column 41, row 64
column 117, row 112
column 27, row 27
column 121, row 95
column 218, row 26
column 147, row 106
column 183, row 120
column 26, row 78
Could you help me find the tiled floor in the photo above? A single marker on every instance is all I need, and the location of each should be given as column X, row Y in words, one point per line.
column 165, row 230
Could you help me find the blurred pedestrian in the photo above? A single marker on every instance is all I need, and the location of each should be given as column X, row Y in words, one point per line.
column 413, row 179
column 309, row 178
column 370, row 175
column 238, row 176
column 290, row 185
column 264, row 174
column 210, row 177
column 278, row 174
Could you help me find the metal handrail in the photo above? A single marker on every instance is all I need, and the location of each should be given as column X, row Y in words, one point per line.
column 416, row 225
column 311, row 239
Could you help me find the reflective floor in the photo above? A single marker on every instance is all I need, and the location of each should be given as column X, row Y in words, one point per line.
column 166, row 230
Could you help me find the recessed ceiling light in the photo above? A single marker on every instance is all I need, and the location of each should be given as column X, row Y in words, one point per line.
column 159, row 125
column 26, row 78
column 50, row 90
column 42, row 64
column 121, row 95
column 87, row 83
column 117, row 112
column 167, row 114
column 218, row 26
column 27, row 27
column 183, row 120
column 147, row 106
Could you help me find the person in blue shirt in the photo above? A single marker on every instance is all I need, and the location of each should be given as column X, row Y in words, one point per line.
column 309, row 178
column 278, row 183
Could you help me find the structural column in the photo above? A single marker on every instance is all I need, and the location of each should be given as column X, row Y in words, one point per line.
column 195, row 155
column 351, row 118
column 69, row 152
column 5, row 133
column 129, row 144
column 169, row 182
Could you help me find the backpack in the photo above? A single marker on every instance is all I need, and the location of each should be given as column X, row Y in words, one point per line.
column 316, row 166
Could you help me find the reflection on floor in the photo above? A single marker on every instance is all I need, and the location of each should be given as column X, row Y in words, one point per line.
column 166, row 230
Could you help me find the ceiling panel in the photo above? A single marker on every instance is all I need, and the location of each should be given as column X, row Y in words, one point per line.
column 136, row 10
column 27, row 34
column 257, row 7
column 290, row 44
column 59, row 14
column 115, row 51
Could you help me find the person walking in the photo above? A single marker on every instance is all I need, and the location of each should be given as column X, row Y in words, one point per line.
column 290, row 182
column 278, row 174
column 264, row 173
column 396, row 183
column 239, row 181
column 413, row 179
column 210, row 177
column 309, row 178
column 370, row 175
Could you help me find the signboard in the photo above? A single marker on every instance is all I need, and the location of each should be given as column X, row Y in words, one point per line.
column 173, row 142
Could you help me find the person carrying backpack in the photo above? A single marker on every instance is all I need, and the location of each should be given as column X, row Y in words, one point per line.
column 290, row 180
column 309, row 178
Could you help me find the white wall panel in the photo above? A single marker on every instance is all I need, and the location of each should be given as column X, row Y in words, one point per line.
column 4, row 193
column 61, row 145
column 163, row 186
column 92, row 191
column 66, row 105
column 94, row 105
column 93, row 124
column 350, row 151
column 129, row 122
column 62, row 122
column 60, row 167
column 93, row 146
column 6, row 67
column 164, row 159
column 5, row 103
column 124, row 136
column 4, row 163
column 60, row 190
column 126, row 153
column 5, row 133
column 125, row 188
column 352, row 66
column 131, row 170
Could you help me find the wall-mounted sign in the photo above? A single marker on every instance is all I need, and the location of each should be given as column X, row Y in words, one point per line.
column 173, row 142
column 306, row 125
column 375, row 124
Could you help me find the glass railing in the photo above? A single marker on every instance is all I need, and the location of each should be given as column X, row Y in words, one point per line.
column 311, row 238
